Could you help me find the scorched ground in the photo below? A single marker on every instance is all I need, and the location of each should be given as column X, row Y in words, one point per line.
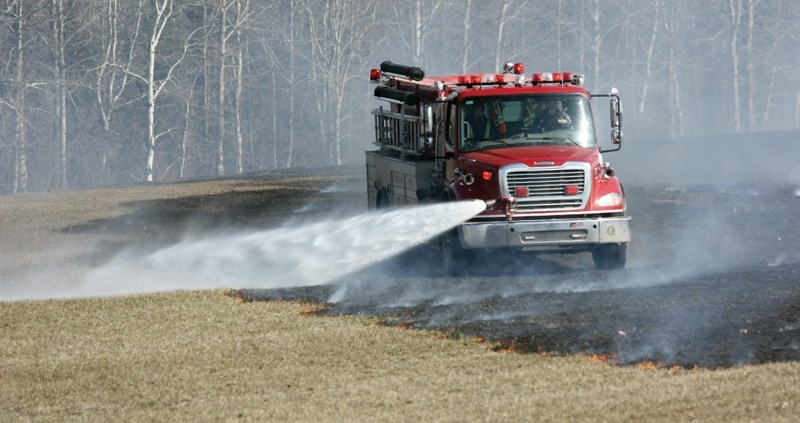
column 712, row 281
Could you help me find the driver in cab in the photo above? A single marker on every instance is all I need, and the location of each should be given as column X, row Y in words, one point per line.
column 552, row 118
column 479, row 125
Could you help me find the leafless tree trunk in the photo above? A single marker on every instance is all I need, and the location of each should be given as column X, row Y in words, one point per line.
column 498, row 48
column 338, row 38
column 223, row 52
column 749, row 67
column 275, row 123
column 115, row 68
column 186, row 129
column 226, row 32
column 418, row 36
column 736, row 19
column 597, row 41
column 163, row 11
column 467, row 30
column 559, row 23
column 241, row 10
column 648, row 61
column 676, row 111
column 20, row 182
column 57, row 9
column 292, row 86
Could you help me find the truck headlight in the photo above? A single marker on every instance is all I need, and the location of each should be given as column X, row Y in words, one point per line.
column 609, row 200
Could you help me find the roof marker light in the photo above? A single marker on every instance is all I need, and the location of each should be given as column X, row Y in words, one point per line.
column 374, row 74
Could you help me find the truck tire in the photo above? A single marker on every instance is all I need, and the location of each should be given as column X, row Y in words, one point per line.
column 382, row 201
column 452, row 257
column 610, row 256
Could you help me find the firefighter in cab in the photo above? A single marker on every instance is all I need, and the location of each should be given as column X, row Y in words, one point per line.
column 483, row 122
column 552, row 117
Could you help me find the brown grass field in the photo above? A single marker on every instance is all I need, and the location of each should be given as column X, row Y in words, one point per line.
column 201, row 355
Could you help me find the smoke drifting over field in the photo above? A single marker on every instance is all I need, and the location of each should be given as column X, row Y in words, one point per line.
column 706, row 284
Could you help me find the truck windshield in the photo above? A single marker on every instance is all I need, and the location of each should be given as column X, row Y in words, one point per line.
column 525, row 120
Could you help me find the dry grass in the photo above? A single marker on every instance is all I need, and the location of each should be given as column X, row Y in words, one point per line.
column 203, row 356
column 190, row 356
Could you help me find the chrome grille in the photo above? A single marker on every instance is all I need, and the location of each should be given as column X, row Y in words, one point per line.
column 547, row 188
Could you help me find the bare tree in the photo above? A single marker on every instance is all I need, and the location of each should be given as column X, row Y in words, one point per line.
column 735, row 10
column 113, row 73
column 648, row 62
column 19, row 16
column 339, row 37
column 162, row 11
column 467, row 30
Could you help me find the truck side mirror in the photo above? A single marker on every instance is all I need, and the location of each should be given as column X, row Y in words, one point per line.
column 616, row 136
column 616, row 118
column 616, row 113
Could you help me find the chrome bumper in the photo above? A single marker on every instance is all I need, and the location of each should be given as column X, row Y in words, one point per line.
column 552, row 233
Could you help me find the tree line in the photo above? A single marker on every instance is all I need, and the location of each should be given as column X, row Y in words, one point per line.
column 101, row 92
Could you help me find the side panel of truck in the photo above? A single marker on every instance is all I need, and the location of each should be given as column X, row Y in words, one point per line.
column 394, row 181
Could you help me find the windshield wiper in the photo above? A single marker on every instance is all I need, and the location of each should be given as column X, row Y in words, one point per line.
column 500, row 141
column 480, row 144
column 563, row 139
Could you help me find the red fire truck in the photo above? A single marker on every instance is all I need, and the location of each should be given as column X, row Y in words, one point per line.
column 524, row 144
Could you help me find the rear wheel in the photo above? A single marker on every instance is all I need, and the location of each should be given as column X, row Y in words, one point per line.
column 382, row 201
column 610, row 256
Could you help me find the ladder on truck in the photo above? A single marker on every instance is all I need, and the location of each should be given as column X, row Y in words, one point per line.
column 397, row 132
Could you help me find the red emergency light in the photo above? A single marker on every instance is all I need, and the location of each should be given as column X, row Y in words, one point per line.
column 571, row 190
column 469, row 79
column 519, row 68
column 521, row 192
column 374, row 74
column 562, row 77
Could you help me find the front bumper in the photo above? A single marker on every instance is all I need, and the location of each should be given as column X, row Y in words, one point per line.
column 578, row 233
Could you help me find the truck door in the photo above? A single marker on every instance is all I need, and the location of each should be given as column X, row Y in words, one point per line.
column 449, row 144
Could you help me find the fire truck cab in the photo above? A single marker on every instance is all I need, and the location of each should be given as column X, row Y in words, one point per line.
column 524, row 144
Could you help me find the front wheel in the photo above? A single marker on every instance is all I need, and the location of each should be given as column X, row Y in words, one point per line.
column 610, row 256
column 452, row 256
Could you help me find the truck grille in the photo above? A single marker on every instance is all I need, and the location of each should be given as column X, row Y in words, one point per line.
column 562, row 188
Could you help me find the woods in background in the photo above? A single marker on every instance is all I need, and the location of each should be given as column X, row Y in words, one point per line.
column 102, row 92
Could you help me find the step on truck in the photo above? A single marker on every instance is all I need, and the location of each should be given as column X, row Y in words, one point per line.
column 524, row 144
